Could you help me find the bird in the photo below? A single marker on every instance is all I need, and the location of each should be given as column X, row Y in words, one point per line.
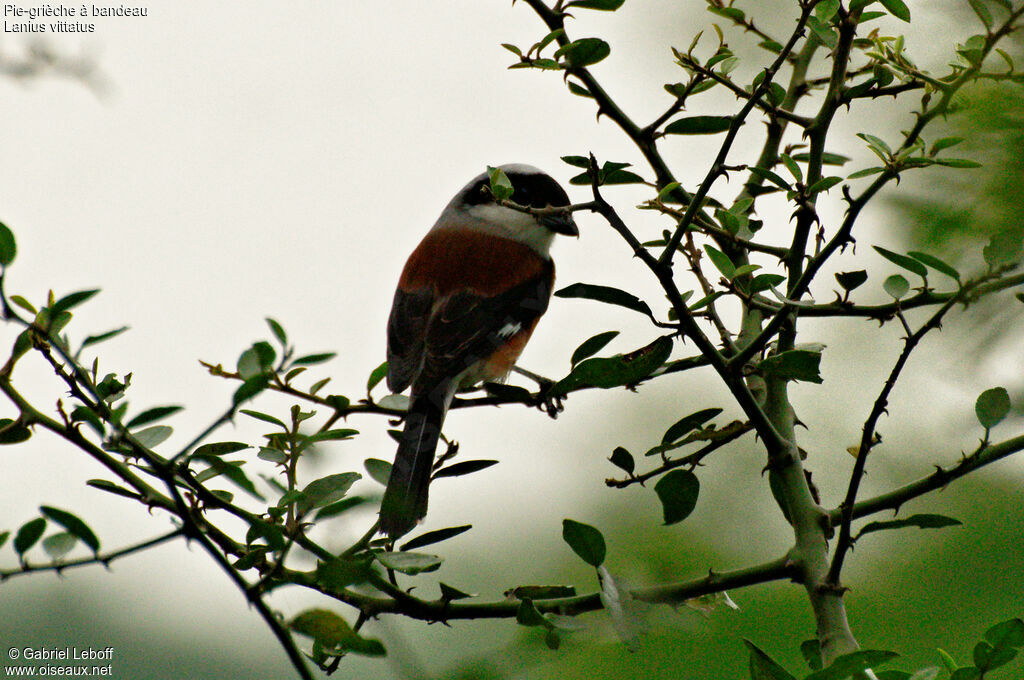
column 467, row 301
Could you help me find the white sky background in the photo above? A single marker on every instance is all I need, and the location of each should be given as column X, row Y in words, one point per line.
column 262, row 158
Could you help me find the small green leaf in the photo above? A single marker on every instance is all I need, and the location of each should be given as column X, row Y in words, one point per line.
column 13, row 432
column 771, row 177
column 8, row 247
column 110, row 487
column 794, row 364
column 602, row 5
column 592, row 346
column 23, row 303
column 811, row 651
column 333, row 633
column 219, row 448
column 686, row 425
column 616, row 371
column 957, row 163
column 606, row 294
column 501, row 185
column 96, row 339
column 992, row 406
column 233, row 471
column 152, row 437
column 152, row 415
column 278, row 331
column 763, row 667
column 409, row 563
column 431, row 537
column 376, row 376
column 921, row 521
column 1003, row 249
column 825, row 34
column 877, row 144
column 73, row 524
column 908, row 263
column 896, row 286
column 465, row 467
column 60, row 544
column 310, row 359
column 379, row 470
column 623, row 459
column 325, row 490
column 824, row 184
column 721, row 261
column 945, row 143
column 699, row 125
column 250, row 388
column 69, row 301
column 4, row 535
column 897, row 8
column 29, row 534
column 935, row 263
column 865, row 172
column 265, row 417
column 584, row 52
column 335, row 509
column 851, row 280
column 983, row 12
column 677, row 490
column 586, row 541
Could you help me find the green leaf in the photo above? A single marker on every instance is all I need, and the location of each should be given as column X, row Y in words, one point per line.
column 409, row 563
column 957, row 163
column 795, row 364
column 219, row 448
column 823, row 32
column 4, row 535
column 592, row 346
column 69, row 301
column 8, row 247
column 850, row 664
column 945, row 143
column 13, row 432
column 376, row 376
column 335, row 509
column 865, row 172
column 310, row 359
column 1009, row 633
column 851, row 280
column 586, row 541
column 935, row 263
column 513, row 49
column 908, row 263
column 763, row 667
column 110, row 487
column 677, row 490
column 771, row 177
column 333, row 632
column 616, row 371
column 278, row 331
column 342, row 573
column 250, row 388
column 992, row 406
column 983, row 12
column 623, row 459
column 60, row 544
column 584, row 52
column 721, row 261
column 152, row 415
column 23, row 303
column 824, row 184
column 379, row 470
column 265, row 417
column 921, row 521
column 96, row 339
column 29, row 534
column 699, row 125
column 603, row 5
column 686, row 425
column 1003, row 248
column 896, row 286
column 465, row 467
column 233, row 471
column 436, row 536
column 897, row 8
column 501, row 185
column 325, row 490
column 606, row 294
column 73, row 524
column 152, row 437
column 877, row 144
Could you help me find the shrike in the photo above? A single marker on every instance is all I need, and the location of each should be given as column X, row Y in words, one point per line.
column 467, row 301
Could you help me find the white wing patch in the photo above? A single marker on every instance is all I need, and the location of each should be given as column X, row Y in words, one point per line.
column 510, row 329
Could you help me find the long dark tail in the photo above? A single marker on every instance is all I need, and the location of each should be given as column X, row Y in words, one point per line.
column 405, row 498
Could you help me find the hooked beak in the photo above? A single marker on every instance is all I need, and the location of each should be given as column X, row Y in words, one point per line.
column 561, row 223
